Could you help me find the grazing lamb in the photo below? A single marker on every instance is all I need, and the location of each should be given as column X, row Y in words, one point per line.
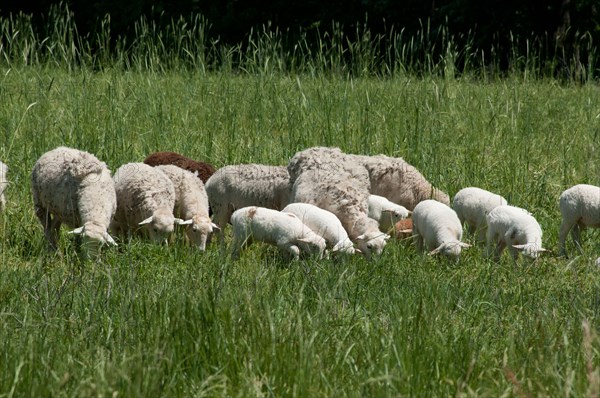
column 324, row 223
column 580, row 208
column 403, row 229
column 385, row 212
column 284, row 230
column 437, row 226
column 237, row 186
column 202, row 169
column 397, row 180
column 3, row 185
column 472, row 205
column 191, row 203
column 327, row 178
column 515, row 228
column 145, row 197
column 75, row 188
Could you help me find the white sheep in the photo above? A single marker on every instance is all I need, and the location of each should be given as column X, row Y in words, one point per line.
column 75, row 188
column 580, row 208
column 327, row 178
column 191, row 203
column 324, row 223
column 3, row 185
column 284, row 230
column 515, row 228
column 472, row 205
column 437, row 227
column 237, row 186
column 386, row 212
column 145, row 197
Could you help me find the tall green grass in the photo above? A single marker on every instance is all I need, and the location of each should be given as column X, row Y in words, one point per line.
column 170, row 321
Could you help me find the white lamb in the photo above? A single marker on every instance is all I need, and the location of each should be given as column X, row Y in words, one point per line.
column 3, row 185
column 237, row 186
column 580, row 208
column 324, row 223
column 75, row 188
column 437, row 226
column 284, row 230
column 191, row 203
column 515, row 228
column 327, row 178
column 145, row 197
column 386, row 212
column 472, row 205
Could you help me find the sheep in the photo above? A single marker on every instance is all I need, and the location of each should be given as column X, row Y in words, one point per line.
column 191, row 203
column 145, row 197
column 472, row 205
column 203, row 170
column 327, row 178
column 75, row 188
column 580, row 208
column 385, row 212
column 284, row 230
column 437, row 226
column 515, row 228
column 323, row 223
column 3, row 185
column 398, row 181
column 403, row 229
column 237, row 186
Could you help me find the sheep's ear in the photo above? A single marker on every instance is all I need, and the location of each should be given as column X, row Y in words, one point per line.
column 465, row 245
column 215, row 226
column 146, row 221
column 437, row 249
column 357, row 250
column 361, row 237
column 109, row 239
column 77, row 231
column 405, row 231
column 519, row 247
column 409, row 213
column 386, row 236
column 179, row 221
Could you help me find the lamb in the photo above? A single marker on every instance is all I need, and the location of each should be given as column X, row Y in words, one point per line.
column 237, row 186
column 385, row 212
column 472, row 205
column 323, row 223
column 284, row 230
column 580, row 208
column 203, row 170
column 515, row 228
column 398, row 181
column 191, row 203
column 437, row 227
column 327, row 178
column 75, row 188
column 145, row 197
column 3, row 185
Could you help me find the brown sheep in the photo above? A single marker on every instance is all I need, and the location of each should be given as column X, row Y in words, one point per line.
column 403, row 229
column 203, row 170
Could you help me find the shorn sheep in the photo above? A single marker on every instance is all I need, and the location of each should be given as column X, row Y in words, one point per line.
column 472, row 205
column 386, row 212
column 580, row 208
column 437, row 227
column 145, row 197
column 75, row 188
column 3, row 185
column 327, row 178
column 191, row 203
column 324, row 223
column 201, row 169
column 284, row 230
column 516, row 229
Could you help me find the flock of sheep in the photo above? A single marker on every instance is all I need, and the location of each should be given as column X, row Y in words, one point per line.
column 324, row 201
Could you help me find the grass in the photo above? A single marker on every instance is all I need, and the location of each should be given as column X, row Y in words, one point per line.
column 170, row 321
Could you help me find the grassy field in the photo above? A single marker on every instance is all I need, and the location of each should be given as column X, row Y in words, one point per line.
column 171, row 321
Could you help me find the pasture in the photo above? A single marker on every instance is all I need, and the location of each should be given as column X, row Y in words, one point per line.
column 171, row 321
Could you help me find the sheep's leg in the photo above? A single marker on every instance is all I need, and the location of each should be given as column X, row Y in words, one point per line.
column 576, row 234
column 513, row 252
column 565, row 227
column 51, row 226
column 418, row 239
column 497, row 252
column 481, row 233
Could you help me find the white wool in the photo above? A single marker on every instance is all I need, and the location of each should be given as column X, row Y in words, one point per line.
column 386, row 212
column 472, row 205
column 580, row 209
column 3, row 185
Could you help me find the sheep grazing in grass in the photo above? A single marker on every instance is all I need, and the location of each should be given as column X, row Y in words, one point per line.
column 3, row 185
column 191, row 203
column 472, row 205
column 580, row 208
column 284, row 230
column 75, row 188
column 327, row 178
column 403, row 229
column 145, row 197
column 516, row 229
column 324, row 223
column 386, row 213
column 201, row 169
column 398, row 181
column 237, row 186
column 437, row 227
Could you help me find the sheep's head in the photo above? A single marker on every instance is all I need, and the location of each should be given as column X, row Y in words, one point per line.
column 94, row 236
column 160, row 225
column 199, row 231
column 344, row 246
column 530, row 250
column 450, row 249
column 371, row 243
column 312, row 244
